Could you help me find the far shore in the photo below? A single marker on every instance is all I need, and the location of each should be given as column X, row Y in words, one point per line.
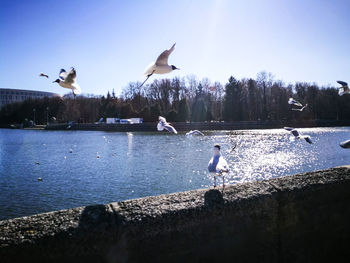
column 187, row 126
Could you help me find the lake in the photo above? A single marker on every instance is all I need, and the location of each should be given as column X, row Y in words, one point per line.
column 91, row 167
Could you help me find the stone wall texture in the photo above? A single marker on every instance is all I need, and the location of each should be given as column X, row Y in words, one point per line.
column 300, row 218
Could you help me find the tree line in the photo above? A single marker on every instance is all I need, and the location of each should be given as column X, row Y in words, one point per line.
column 190, row 99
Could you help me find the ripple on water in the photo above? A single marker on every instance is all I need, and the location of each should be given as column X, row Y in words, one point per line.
column 137, row 164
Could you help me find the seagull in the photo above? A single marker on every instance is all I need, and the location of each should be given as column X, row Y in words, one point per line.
column 70, row 150
column 44, row 75
column 37, row 163
column 161, row 65
column 163, row 124
column 217, row 165
column 194, row 132
column 292, row 101
column 344, row 89
column 301, row 109
column 296, row 134
column 40, row 179
column 233, row 148
column 345, row 144
column 67, row 80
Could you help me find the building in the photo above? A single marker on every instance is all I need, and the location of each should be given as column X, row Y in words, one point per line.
column 8, row 96
column 124, row 121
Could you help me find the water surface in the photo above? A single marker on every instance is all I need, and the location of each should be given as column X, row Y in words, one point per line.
column 92, row 167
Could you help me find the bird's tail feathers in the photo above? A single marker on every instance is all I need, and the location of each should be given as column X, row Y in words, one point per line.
column 77, row 89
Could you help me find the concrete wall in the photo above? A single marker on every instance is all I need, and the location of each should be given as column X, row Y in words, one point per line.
column 185, row 127
column 301, row 218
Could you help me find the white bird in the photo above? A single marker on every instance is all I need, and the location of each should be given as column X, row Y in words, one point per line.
column 217, row 165
column 301, row 109
column 233, row 148
column 345, row 144
column 194, row 132
column 163, row 124
column 161, row 65
column 292, row 101
column 344, row 89
column 297, row 136
column 67, row 80
column 44, row 75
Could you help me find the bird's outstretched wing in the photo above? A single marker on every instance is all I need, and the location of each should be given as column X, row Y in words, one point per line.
column 70, row 78
column 63, row 74
column 163, row 58
column 160, row 126
column 44, row 75
column 343, row 83
column 292, row 101
column 194, row 132
column 295, row 132
column 307, row 139
column 162, row 120
column 345, row 144
column 198, row 132
column 301, row 109
column 234, row 147
column 170, row 128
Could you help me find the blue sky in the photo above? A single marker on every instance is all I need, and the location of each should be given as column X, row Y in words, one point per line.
column 111, row 42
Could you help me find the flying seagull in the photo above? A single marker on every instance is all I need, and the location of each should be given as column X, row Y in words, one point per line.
column 298, row 136
column 163, row 124
column 345, row 144
column 344, row 89
column 301, row 109
column 44, row 75
column 194, row 132
column 233, row 148
column 294, row 102
column 67, row 80
column 161, row 65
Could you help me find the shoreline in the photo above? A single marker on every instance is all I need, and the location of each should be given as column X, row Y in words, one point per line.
column 261, row 221
column 187, row 126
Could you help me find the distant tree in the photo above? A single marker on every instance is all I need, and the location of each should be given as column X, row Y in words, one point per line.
column 186, row 99
column 145, row 113
column 184, row 111
column 172, row 115
column 199, row 110
column 155, row 112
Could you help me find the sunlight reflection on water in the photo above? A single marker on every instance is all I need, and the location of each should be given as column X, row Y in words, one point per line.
column 110, row 166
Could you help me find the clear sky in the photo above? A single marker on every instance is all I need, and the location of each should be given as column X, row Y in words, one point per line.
column 111, row 42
